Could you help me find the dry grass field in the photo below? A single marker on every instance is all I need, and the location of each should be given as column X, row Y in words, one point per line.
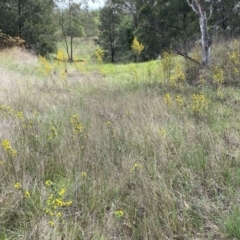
column 132, row 151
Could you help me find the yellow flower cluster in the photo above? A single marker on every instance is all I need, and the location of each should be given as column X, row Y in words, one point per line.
column 51, row 223
column 8, row 149
column 220, row 93
column 233, row 63
column 168, row 99
column 61, row 57
column 119, row 213
column 179, row 101
column 162, row 132
column 172, row 68
column 136, row 166
column 53, row 133
column 137, row 47
column 63, row 74
column 199, row 104
column 19, row 115
column 55, row 202
column 218, row 75
column 233, row 56
column 76, row 124
column 167, row 64
column 62, row 192
column 6, row 111
column 48, row 183
column 98, row 55
column 61, row 60
column 46, row 67
column 17, row 185
column 25, row 193
column 178, row 76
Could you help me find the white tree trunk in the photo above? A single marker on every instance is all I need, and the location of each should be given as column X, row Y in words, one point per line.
column 206, row 43
column 197, row 7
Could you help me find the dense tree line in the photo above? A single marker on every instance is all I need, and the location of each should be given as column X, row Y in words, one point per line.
column 42, row 23
column 158, row 24
column 31, row 20
column 166, row 24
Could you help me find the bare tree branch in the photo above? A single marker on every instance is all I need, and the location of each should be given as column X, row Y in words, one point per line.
column 194, row 6
column 211, row 11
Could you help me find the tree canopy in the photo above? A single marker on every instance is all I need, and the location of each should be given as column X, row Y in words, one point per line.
column 159, row 25
column 32, row 20
column 172, row 24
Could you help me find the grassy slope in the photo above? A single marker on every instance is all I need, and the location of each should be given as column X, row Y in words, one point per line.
column 126, row 160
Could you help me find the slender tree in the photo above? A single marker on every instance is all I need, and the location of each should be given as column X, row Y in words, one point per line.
column 108, row 37
column 70, row 26
column 199, row 8
column 77, row 24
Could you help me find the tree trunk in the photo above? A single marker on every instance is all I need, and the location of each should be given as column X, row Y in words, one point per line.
column 19, row 19
column 112, row 54
column 71, row 46
column 198, row 8
column 206, row 43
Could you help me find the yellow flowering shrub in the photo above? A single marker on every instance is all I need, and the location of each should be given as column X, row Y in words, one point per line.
column 55, row 202
column 61, row 57
column 76, row 124
column 52, row 133
column 45, row 66
column 8, row 149
column 98, row 55
column 232, row 65
column 199, row 104
column 137, row 47
column 218, row 75
column 179, row 101
column 6, row 111
column 168, row 99
column 167, row 65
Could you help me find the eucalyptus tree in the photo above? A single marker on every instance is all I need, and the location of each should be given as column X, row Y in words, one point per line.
column 199, row 8
column 223, row 11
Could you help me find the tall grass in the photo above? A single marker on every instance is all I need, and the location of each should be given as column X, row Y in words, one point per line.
column 116, row 152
